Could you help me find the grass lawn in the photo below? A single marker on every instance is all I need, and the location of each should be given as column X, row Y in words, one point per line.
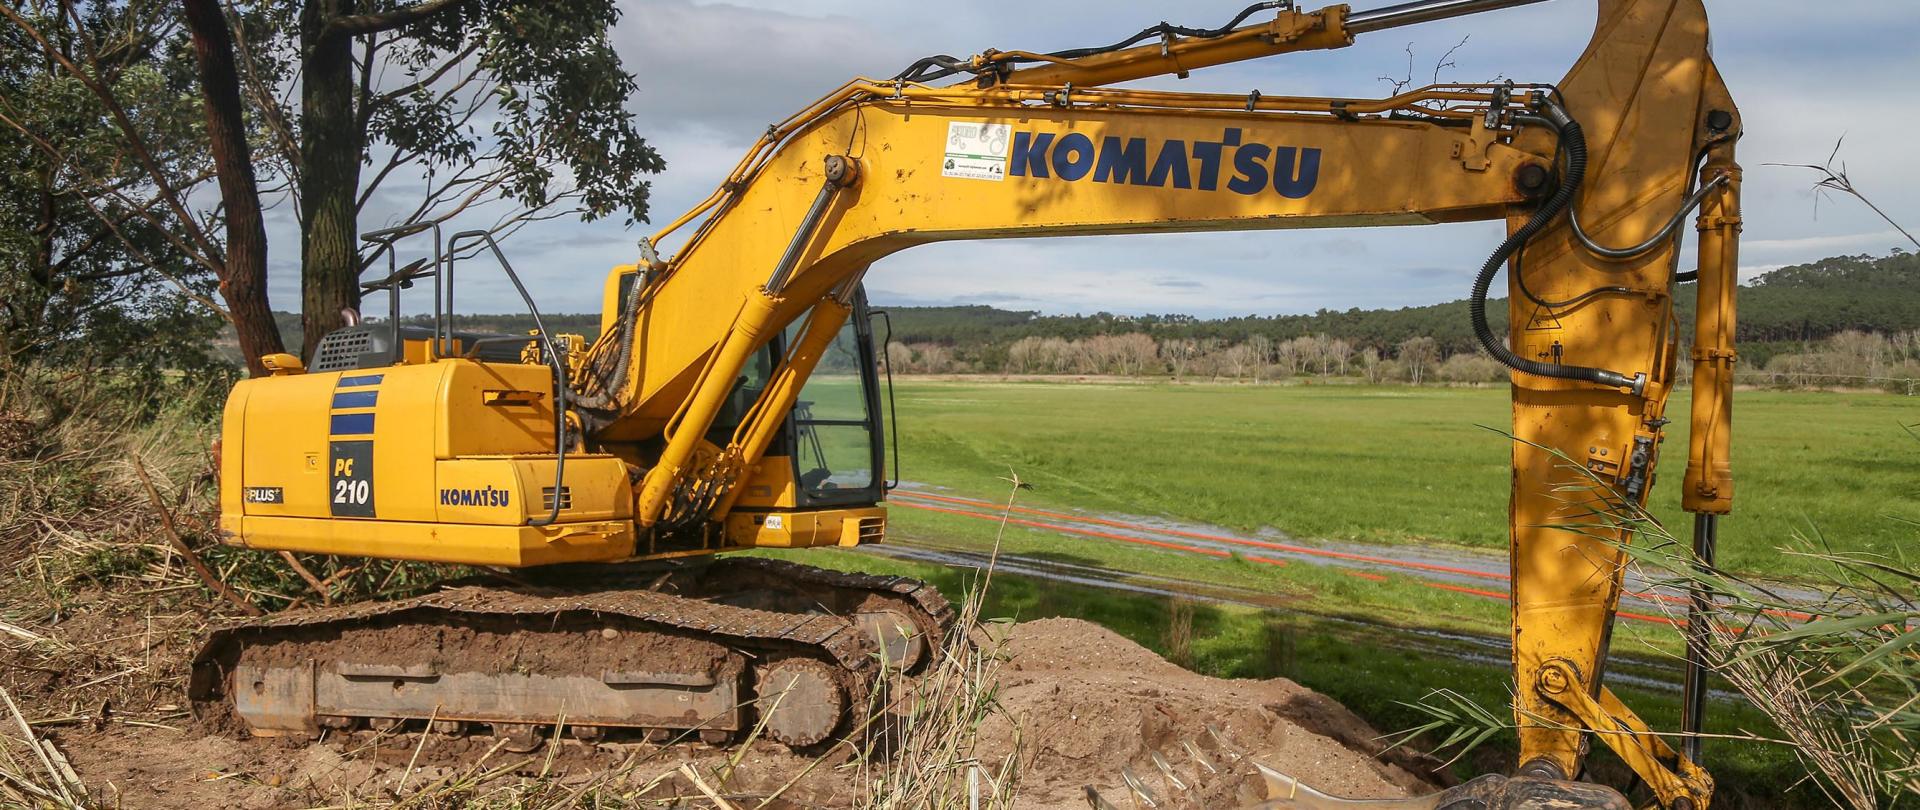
column 1392, row 464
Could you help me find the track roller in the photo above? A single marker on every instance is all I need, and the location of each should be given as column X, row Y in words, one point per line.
column 800, row 700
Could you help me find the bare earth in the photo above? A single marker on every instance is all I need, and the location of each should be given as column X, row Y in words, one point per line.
column 1084, row 701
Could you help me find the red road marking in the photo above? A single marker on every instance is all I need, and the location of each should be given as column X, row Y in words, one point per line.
column 1500, row 595
column 1505, row 598
column 1307, row 550
column 1214, row 552
column 1218, row 538
column 1211, row 552
column 1363, row 575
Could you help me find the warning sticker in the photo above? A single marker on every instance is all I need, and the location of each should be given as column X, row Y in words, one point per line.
column 976, row 151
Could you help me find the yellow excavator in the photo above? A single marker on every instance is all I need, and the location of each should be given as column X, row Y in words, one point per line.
column 731, row 402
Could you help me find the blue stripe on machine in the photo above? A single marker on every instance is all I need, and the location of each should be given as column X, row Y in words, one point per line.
column 351, row 382
column 352, row 424
column 355, row 399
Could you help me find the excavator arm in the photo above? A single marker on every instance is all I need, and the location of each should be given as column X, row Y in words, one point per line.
column 1594, row 176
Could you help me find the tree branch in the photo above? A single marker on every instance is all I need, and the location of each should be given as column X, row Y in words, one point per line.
column 113, row 191
column 451, row 63
column 207, row 577
column 357, row 24
column 135, row 143
column 272, row 110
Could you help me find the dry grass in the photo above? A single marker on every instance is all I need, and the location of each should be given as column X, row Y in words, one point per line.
column 1842, row 686
column 1179, row 633
column 931, row 760
column 99, row 614
column 1837, row 674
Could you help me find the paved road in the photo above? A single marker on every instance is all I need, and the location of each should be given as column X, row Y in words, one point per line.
column 1646, row 671
column 1475, row 573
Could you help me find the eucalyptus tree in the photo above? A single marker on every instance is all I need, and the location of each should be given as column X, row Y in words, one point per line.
column 517, row 108
column 109, row 253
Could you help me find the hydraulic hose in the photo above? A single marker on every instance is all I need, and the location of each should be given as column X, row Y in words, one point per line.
column 1574, row 142
column 607, row 396
column 940, row 66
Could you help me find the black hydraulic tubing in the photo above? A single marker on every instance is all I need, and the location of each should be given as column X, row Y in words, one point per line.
column 808, row 224
column 893, row 411
column 1693, row 704
column 1520, row 278
column 940, row 66
column 629, row 318
column 1668, row 231
column 1421, row 11
column 1656, row 240
column 560, row 396
column 923, row 70
column 1574, row 141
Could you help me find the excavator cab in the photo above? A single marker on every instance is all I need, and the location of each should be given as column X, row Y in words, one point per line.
column 826, row 468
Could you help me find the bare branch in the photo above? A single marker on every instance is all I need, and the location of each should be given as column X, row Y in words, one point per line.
column 1837, row 180
column 207, row 576
column 1403, row 83
column 1446, row 59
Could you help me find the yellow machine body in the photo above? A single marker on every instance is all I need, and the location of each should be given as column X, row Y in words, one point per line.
column 449, row 461
column 445, row 461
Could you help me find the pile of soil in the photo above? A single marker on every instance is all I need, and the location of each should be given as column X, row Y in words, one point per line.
column 1091, row 702
column 1083, row 703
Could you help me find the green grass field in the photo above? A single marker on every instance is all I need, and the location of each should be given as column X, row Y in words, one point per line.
column 1380, row 464
column 1392, row 464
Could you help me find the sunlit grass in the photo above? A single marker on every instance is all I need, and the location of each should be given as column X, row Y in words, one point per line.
column 1390, row 464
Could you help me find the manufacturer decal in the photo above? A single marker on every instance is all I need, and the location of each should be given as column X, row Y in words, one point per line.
column 776, row 522
column 484, row 496
column 264, row 495
column 975, row 151
column 1247, row 168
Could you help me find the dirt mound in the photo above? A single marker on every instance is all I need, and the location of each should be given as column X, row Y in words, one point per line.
column 1091, row 702
column 1082, row 701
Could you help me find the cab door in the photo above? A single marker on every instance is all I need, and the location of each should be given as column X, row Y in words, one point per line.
column 834, row 435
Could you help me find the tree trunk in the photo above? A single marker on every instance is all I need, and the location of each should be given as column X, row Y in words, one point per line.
column 24, row 330
column 243, row 280
column 330, row 176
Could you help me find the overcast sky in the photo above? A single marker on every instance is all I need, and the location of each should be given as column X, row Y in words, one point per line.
column 712, row 75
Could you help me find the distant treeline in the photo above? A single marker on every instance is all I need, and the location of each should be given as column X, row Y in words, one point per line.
column 1843, row 321
column 1846, row 320
column 1780, row 312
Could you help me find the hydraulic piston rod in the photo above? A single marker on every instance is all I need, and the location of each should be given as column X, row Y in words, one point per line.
column 1420, row 11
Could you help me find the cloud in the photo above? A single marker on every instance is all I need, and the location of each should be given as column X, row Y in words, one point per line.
column 728, row 71
column 713, row 75
column 1825, row 245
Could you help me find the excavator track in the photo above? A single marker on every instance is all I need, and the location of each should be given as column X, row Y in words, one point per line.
column 661, row 653
column 906, row 617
